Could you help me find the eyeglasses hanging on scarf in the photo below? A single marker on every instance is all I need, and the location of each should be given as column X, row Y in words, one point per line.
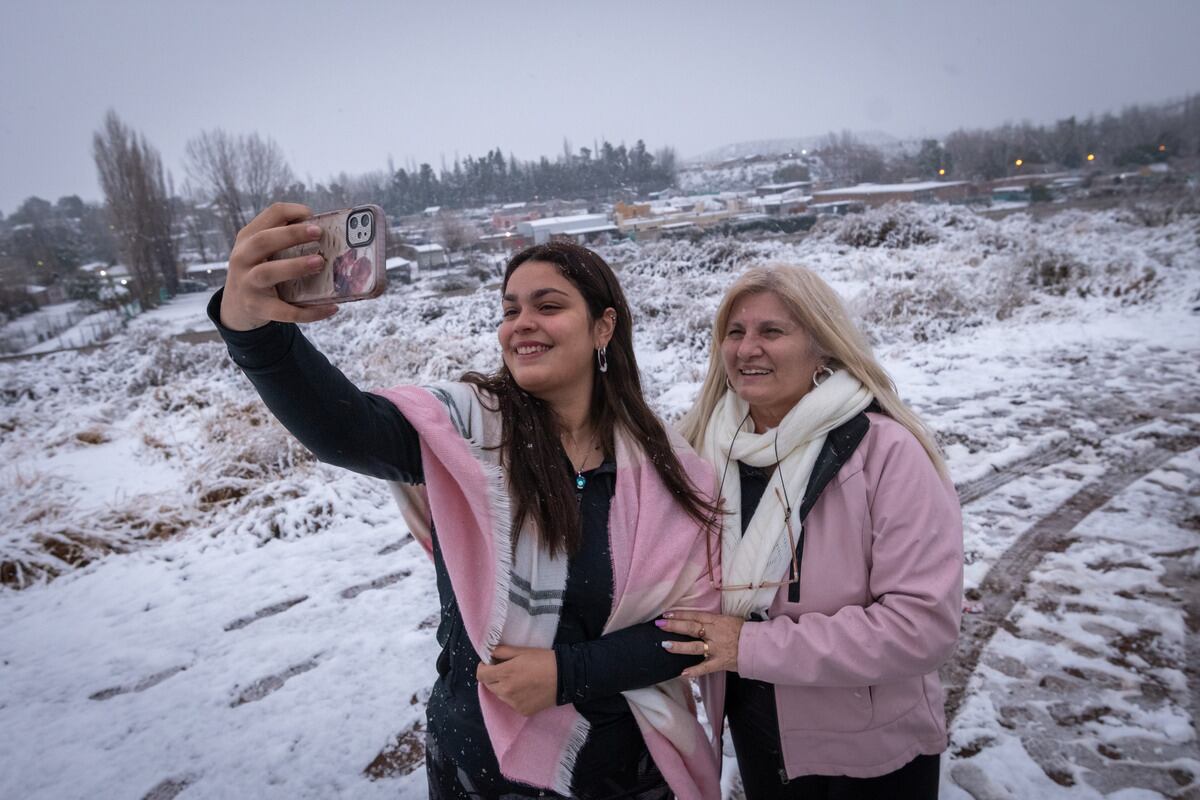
column 794, row 570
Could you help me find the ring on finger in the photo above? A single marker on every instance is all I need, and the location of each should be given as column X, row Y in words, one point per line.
column 700, row 633
column 705, row 650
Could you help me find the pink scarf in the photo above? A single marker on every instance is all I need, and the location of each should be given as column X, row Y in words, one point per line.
column 659, row 563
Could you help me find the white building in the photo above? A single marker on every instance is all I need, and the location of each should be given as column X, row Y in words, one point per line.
column 425, row 256
column 539, row 231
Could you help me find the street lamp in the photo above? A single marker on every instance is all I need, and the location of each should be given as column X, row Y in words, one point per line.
column 1091, row 156
column 1019, row 161
column 942, row 171
column 1162, row 148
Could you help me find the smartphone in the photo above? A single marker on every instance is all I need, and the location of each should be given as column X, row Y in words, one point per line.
column 354, row 244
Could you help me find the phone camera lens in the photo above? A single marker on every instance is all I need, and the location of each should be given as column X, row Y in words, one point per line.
column 354, row 222
column 366, row 220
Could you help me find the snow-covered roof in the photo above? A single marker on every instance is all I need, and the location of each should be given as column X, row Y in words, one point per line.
column 104, row 270
column 395, row 262
column 891, row 188
column 207, row 267
column 550, row 222
column 783, row 187
column 511, row 206
column 427, row 248
column 778, row 199
column 592, row 229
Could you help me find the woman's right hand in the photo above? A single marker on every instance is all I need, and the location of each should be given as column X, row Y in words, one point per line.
column 250, row 300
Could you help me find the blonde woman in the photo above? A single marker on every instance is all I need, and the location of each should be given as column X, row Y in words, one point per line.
column 841, row 555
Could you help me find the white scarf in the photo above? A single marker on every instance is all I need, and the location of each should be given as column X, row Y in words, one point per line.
column 763, row 554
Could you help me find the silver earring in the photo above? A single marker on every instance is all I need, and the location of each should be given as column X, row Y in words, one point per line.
column 728, row 383
column 602, row 358
column 826, row 371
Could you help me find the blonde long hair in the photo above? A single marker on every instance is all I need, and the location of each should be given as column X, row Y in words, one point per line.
column 818, row 309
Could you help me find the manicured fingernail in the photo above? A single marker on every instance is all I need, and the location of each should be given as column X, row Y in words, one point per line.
column 668, row 645
column 662, row 623
column 314, row 230
column 315, row 261
column 669, row 615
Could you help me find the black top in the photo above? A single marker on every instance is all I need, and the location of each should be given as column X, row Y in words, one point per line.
column 312, row 399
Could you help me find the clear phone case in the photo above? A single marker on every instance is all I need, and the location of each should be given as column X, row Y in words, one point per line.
column 355, row 259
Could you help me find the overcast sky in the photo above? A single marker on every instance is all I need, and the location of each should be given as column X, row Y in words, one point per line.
column 344, row 85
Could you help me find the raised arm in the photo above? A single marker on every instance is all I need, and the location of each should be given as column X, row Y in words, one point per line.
column 338, row 422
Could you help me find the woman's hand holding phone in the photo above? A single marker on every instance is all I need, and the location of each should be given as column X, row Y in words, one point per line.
column 250, row 299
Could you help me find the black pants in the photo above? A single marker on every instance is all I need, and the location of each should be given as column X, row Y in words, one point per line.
column 641, row 781
column 754, row 728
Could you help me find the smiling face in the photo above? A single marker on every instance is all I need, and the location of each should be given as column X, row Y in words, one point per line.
column 769, row 358
column 547, row 337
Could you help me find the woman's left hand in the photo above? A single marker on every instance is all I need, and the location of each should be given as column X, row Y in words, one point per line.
column 525, row 678
column 718, row 632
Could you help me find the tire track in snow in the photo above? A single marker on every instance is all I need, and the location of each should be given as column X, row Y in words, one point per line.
column 262, row 613
column 272, row 683
column 378, row 583
column 1004, row 584
column 140, row 686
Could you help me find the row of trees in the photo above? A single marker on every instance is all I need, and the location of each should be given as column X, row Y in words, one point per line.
column 1137, row 135
column 493, row 178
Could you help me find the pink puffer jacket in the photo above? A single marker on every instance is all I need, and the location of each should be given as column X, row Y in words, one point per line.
column 855, row 662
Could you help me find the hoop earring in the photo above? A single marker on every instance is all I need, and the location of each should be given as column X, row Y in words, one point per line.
column 728, row 383
column 826, row 371
column 602, row 358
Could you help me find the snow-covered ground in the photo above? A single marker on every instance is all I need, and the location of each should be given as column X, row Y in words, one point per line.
column 70, row 325
column 208, row 612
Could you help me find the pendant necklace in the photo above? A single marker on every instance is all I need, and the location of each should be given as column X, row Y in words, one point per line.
column 580, row 480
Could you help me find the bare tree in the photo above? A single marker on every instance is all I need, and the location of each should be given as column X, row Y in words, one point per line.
column 848, row 159
column 241, row 175
column 139, row 203
column 265, row 172
column 213, row 163
column 454, row 233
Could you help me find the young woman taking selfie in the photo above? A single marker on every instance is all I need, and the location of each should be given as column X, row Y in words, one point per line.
column 561, row 517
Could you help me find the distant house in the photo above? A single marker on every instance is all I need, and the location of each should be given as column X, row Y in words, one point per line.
column 401, row 269
column 45, row 295
column 107, row 274
column 836, row 208
column 878, row 194
column 783, row 204
column 540, row 231
column 1010, row 194
column 779, row 188
column 212, row 273
column 1030, row 178
column 425, row 256
column 500, row 242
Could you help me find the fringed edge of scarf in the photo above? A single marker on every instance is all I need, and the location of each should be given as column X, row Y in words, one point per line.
column 570, row 754
column 501, row 511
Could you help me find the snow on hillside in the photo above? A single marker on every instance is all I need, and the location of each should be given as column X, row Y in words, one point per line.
column 204, row 610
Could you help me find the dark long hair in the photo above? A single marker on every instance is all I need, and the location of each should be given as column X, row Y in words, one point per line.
column 539, row 476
